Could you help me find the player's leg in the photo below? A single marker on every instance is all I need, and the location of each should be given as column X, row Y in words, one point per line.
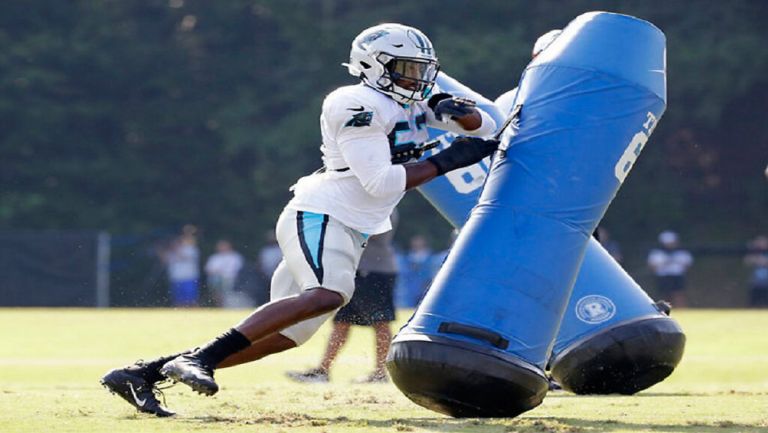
column 336, row 341
column 274, row 343
column 137, row 383
column 383, row 339
column 313, row 306
column 679, row 299
column 676, row 289
column 375, row 293
column 321, row 255
column 342, row 322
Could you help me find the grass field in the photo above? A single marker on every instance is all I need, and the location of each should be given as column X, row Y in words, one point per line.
column 51, row 360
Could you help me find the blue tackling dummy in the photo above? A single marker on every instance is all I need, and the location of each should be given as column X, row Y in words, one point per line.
column 480, row 340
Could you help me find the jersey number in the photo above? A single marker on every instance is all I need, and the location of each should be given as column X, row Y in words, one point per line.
column 402, row 127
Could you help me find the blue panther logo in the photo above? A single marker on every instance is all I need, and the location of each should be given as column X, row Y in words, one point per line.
column 367, row 39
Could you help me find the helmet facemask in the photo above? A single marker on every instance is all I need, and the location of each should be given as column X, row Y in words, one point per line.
column 408, row 79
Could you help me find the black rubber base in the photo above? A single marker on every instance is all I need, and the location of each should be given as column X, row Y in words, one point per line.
column 464, row 380
column 621, row 360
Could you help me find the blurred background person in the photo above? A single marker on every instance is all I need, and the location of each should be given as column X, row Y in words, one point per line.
column 670, row 263
column 757, row 260
column 372, row 305
column 440, row 256
column 182, row 261
column 222, row 269
column 417, row 268
column 269, row 257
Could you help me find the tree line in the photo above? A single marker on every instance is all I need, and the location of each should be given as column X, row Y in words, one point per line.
column 134, row 115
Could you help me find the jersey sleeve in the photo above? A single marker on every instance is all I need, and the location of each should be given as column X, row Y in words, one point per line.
column 360, row 132
column 351, row 116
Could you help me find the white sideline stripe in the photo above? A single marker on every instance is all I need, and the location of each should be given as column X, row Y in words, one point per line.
column 69, row 362
column 350, row 359
column 114, row 362
column 730, row 358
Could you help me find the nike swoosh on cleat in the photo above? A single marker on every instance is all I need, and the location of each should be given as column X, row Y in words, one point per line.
column 356, row 109
column 140, row 402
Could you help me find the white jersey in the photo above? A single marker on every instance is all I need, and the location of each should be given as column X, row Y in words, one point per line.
column 226, row 265
column 360, row 186
column 669, row 262
column 183, row 263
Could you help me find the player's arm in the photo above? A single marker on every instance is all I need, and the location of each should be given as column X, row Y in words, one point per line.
column 463, row 152
column 362, row 139
column 361, row 135
column 368, row 158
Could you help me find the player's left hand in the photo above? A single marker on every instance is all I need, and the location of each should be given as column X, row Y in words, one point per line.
column 445, row 104
column 464, row 151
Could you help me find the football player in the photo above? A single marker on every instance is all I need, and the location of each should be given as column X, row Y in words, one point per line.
column 373, row 134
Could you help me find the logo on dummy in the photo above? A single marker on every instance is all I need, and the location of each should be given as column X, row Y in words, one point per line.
column 594, row 309
column 360, row 119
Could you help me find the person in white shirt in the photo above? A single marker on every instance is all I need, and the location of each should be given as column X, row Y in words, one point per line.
column 182, row 262
column 373, row 133
column 221, row 270
column 269, row 256
column 669, row 262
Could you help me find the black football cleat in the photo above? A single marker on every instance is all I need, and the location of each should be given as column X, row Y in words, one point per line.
column 314, row 375
column 191, row 371
column 134, row 389
column 375, row 377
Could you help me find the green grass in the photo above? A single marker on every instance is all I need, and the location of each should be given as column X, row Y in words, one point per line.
column 51, row 360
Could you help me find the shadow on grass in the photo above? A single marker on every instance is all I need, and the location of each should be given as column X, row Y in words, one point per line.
column 555, row 425
column 481, row 425
column 557, row 395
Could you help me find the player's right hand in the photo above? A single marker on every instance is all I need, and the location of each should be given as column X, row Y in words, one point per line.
column 448, row 105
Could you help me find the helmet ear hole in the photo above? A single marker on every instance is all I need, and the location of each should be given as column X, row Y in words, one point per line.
column 365, row 65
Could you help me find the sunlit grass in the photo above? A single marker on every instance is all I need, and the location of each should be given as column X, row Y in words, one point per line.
column 51, row 360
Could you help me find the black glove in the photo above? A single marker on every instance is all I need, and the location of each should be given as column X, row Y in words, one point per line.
column 444, row 103
column 463, row 151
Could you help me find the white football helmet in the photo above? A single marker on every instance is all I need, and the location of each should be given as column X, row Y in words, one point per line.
column 396, row 60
